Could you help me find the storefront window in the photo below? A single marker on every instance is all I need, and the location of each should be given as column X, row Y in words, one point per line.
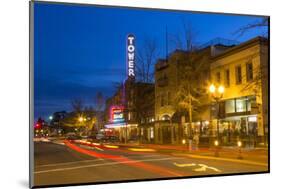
column 151, row 133
column 230, row 106
column 241, row 105
column 251, row 100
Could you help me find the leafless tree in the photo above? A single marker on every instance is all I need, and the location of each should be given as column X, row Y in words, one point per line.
column 99, row 101
column 145, row 60
column 192, row 64
column 77, row 105
column 258, row 24
column 259, row 72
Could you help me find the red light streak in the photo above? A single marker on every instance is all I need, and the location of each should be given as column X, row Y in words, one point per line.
column 148, row 167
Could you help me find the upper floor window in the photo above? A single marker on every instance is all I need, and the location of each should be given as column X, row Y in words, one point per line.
column 169, row 98
column 218, row 77
column 227, row 78
column 162, row 100
column 238, row 73
column 249, row 71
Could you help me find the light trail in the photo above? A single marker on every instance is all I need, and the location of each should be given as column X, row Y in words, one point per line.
column 121, row 159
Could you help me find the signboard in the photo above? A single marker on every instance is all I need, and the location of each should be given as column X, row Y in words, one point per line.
column 131, row 56
column 117, row 114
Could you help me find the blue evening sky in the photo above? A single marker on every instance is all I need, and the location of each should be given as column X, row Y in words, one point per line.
column 80, row 50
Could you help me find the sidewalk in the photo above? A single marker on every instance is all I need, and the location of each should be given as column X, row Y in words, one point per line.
column 259, row 155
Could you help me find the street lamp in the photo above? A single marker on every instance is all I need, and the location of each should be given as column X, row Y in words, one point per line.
column 239, row 144
column 216, row 143
column 81, row 119
column 217, row 94
column 51, row 118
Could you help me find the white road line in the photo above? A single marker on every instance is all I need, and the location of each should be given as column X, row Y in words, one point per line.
column 86, row 161
column 69, row 163
column 145, row 156
column 202, row 167
column 103, row 164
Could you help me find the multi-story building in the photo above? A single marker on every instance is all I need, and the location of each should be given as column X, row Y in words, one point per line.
column 243, row 71
column 130, row 111
column 171, row 125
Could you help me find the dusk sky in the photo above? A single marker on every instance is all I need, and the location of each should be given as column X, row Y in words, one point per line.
column 80, row 50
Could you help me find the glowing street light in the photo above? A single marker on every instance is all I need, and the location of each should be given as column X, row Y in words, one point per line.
column 212, row 88
column 217, row 94
column 221, row 89
column 50, row 117
column 239, row 144
column 216, row 143
column 80, row 119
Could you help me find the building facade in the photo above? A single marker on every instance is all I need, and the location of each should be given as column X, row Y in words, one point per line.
column 130, row 112
column 243, row 71
column 172, row 124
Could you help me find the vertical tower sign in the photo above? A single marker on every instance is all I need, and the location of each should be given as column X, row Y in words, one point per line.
column 131, row 56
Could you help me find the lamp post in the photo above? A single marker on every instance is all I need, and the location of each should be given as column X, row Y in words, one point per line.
column 217, row 94
column 239, row 144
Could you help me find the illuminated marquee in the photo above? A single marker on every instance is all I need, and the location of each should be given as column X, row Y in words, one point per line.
column 117, row 114
column 131, row 56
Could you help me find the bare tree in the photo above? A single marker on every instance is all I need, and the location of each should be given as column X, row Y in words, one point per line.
column 99, row 104
column 99, row 101
column 189, row 35
column 192, row 65
column 254, row 25
column 146, row 58
column 77, row 105
column 259, row 72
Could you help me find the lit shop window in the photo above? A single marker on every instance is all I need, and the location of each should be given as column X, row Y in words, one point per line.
column 151, row 132
column 230, row 106
column 252, row 119
column 241, row 105
column 250, row 101
column 129, row 116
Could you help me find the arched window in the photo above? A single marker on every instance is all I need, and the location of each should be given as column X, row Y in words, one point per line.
column 166, row 117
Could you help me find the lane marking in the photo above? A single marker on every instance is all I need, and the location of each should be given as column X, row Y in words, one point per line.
column 202, row 167
column 185, row 165
column 60, row 143
column 228, row 159
column 98, row 148
column 111, row 146
column 141, row 149
column 94, row 160
column 68, row 163
column 105, row 164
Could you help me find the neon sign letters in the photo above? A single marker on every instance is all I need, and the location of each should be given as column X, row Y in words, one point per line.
column 131, row 56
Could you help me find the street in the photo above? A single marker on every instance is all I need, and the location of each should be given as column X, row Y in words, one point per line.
column 69, row 162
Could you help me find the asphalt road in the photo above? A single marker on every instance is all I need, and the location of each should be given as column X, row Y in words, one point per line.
column 72, row 163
